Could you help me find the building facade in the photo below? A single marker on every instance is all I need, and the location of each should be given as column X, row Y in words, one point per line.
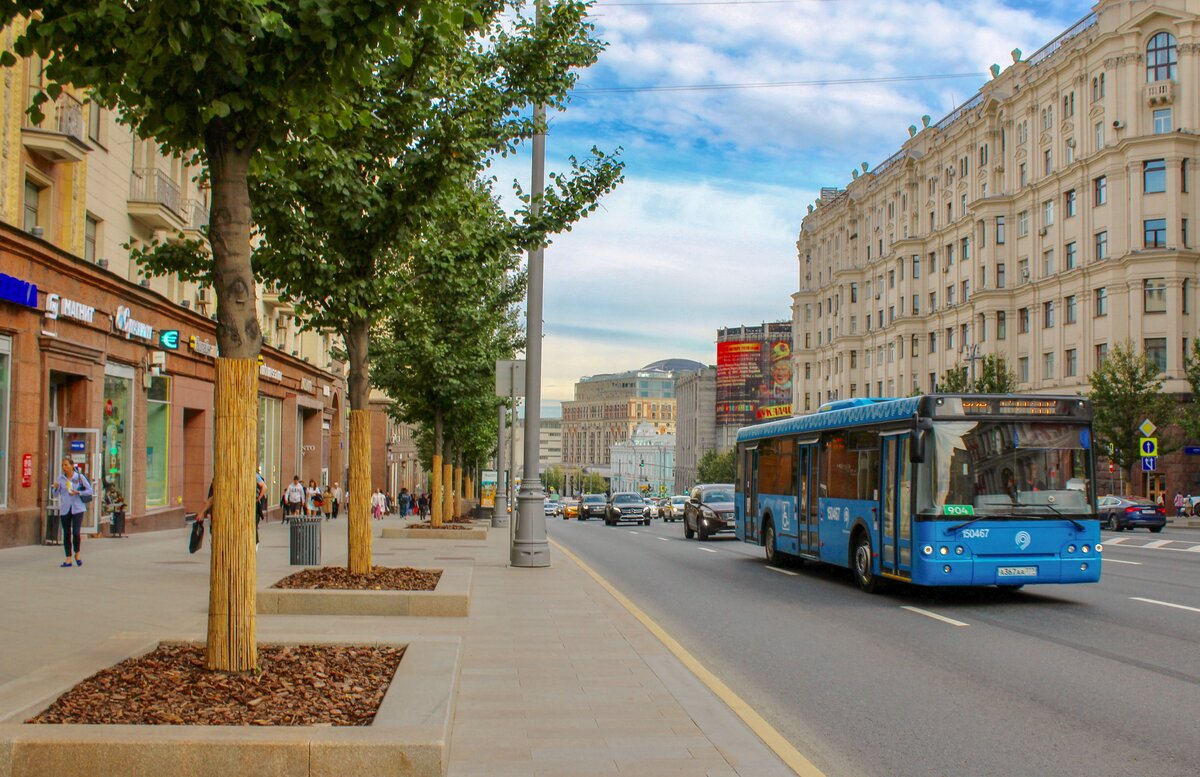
column 1049, row 218
column 695, row 424
column 608, row 408
column 755, row 373
column 645, row 462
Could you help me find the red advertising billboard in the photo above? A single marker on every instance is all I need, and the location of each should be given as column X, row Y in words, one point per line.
column 754, row 380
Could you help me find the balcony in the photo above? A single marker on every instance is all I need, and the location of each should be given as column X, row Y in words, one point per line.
column 197, row 218
column 1160, row 92
column 60, row 135
column 155, row 201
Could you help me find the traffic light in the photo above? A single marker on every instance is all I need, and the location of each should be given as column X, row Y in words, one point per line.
column 1111, row 468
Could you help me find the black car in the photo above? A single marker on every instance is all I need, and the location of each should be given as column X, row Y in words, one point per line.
column 1119, row 513
column 709, row 510
column 592, row 506
column 626, row 506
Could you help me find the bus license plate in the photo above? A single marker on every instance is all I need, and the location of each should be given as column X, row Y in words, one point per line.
column 1016, row 571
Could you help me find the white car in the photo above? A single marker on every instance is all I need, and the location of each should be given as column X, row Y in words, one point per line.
column 673, row 509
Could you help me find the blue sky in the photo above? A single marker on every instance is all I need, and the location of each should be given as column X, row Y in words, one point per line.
column 701, row 235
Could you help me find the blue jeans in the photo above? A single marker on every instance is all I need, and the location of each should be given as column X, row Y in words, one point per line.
column 72, row 525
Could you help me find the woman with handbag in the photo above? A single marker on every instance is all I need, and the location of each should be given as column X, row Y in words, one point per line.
column 74, row 494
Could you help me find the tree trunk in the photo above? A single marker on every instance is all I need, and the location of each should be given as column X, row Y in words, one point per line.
column 458, row 483
column 358, row 519
column 231, row 643
column 447, row 490
column 435, row 492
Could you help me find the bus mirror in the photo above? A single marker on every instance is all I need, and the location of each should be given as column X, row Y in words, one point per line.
column 916, row 446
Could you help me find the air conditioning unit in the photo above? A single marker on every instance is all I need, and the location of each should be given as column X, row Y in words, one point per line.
column 945, row 268
column 1025, row 273
column 1042, row 232
column 202, row 296
column 1118, row 124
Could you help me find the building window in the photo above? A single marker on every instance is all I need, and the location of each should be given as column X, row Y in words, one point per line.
column 1047, row 162
column 1070, row 256
column 1023, row 223
column 1101, row 353
column 1101, row 245
column 965, row 253
column 916, row 304
column 1023, row 321
column 1001, row 325
column 1048, row 314
column 1183, row 175
column 1048, row 213
column 1184, row 296
column 270, row 436
column 1071, row 309
column 1023, row 369
column 949, row 338
column 1022, row 174
column 1161, row 57
column 1000, row 275
column 1100, row 190
column 1047, row 118
column 1156, row 351
column 982, row 326
column 1154, row 176
column 158, row 436
column 1069, row 204
column 5, row 400
column 94, row 114
column 1023, row 266
column 1155, row 233
column 33, row 197
column 1071, row 366
column 950, row 294
column 1048, row 365
column 1100, row 301
column 90, row 228
column 916, row 267
column 1154, row 295
column 1162, row 121
column 1048, row 263
column 932, row 301
column 933, row 342
column 966, row 290
column 1099, row 128
column 999, row 230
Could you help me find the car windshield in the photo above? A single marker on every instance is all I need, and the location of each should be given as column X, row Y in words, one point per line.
column 717, row 495
column 625, row 499
column 679, row 500
column 1007, row 468
column 593, row 498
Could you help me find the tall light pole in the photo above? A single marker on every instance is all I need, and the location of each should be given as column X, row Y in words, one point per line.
column 530, row 547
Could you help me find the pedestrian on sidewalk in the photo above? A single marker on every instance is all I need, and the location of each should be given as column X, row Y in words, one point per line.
column 295, row 499
column 405, row 502
column 423, row 506
column 388, row 502
column 1178, row 503
column 337, row 499
column 74, row 494
column 327, row 502
column 260, row 504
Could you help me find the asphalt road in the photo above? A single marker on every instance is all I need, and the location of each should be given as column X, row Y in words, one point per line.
column 1087, row 680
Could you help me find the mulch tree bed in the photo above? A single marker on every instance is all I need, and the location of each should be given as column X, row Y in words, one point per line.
column 296, row 685
column 378, row 579
column 445, row 525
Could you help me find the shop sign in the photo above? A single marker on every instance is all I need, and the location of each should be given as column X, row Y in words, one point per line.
column 169, row 339
column 61, row 306
column 125, row 323
column 26, row 470
column 18, row 291
column 270, row 373
column 307, row 385
column 78, row 445
column 203, row 347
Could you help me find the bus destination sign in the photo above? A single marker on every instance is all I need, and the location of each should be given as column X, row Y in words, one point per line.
column 1015, row 407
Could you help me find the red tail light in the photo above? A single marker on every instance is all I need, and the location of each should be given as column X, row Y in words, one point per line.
column 1133, row 509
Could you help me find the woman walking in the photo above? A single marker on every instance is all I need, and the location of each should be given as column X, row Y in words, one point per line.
column 327, row 503
column 74, row 493
column 312, row 506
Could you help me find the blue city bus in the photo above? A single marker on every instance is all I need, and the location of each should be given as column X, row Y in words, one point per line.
column 936, row 490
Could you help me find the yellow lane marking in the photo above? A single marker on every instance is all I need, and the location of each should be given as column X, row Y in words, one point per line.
column 764, row 730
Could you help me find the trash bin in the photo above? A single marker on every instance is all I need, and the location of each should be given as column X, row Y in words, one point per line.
column 305, row 543
column 53, row 527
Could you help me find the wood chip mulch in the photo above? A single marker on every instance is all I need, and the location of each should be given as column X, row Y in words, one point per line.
column 445, row 525
column 378, row 579
column 296, row 685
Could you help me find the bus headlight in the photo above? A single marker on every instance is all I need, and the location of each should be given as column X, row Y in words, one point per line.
column 958, row 550
column 1085, row 548
column 1071, row 549
column 944, row 550
column 946, row 569
column 1099, row 547
column 1083, row 567
column 927, row 550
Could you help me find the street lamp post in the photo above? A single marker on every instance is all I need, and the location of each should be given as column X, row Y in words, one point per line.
column 972, row 356
column 530, row 547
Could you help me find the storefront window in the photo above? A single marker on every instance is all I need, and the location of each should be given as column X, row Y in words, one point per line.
column 158, row 435
column 5, row 389
column 269, row 414
column 117, row 431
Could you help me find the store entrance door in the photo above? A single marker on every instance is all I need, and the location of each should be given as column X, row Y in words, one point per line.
column 82, row 447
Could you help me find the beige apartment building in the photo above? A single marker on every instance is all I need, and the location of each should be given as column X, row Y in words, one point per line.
column 1050, row 217
column 608, row 408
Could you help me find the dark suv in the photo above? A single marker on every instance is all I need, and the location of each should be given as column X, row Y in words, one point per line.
column 592, row 506
column 709, row 510
column 626, row 506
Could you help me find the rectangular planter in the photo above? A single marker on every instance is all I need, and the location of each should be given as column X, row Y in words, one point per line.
column 451, row 597
column 474, row 533
column 409, row 737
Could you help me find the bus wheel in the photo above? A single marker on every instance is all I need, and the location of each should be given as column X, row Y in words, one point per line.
column 769, row 542
column 864, row 573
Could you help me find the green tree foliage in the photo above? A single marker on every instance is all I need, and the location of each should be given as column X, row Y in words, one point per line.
column 994, row 377
column 716, row 467
column 1125, row 389
column 553, row 479
column 1189, row 419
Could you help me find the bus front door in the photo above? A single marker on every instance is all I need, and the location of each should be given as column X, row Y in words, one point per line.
column 750, row 494
column 806, row 504
column 896, row 528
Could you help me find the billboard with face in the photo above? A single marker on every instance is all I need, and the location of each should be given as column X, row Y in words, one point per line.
column 754, row 380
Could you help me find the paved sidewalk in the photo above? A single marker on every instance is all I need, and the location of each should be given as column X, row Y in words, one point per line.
column 557, row 679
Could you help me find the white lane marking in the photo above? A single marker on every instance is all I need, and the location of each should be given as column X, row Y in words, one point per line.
column 1157, row 543
column 631, row 531
column 783, row 571
column 1165, row 604
column 708, row 550
column 934, row 615
column 665, row 539
column 1108, row 560
column 1120, row 542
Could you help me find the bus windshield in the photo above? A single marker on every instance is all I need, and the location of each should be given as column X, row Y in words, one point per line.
column 1007, row 469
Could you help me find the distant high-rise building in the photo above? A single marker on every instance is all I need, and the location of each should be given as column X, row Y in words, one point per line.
column 695, row 423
